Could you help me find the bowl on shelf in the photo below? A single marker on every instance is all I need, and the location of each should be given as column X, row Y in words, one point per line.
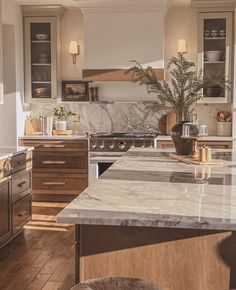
column 41, row 36
column 41, row 92
column 213, row 55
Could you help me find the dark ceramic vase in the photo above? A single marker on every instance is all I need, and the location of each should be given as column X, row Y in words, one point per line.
column 182, row 146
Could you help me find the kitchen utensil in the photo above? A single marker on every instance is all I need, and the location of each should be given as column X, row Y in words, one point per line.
column 213, row 55
column 41, row 36
column 224, row 129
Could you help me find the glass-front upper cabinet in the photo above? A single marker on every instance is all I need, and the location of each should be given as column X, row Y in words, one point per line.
column 215, row 54
column 42, row 53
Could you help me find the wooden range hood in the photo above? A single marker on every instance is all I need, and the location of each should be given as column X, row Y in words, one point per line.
column 113, row 74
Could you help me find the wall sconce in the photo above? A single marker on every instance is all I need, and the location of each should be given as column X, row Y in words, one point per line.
column 74, row 50
column 182, row 46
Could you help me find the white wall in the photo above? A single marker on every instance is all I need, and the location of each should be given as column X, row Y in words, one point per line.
column 12, row 113
column 72, row 29
column 181, row 22
column 112, row 39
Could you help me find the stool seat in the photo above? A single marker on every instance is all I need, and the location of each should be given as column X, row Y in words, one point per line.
column 118, row 283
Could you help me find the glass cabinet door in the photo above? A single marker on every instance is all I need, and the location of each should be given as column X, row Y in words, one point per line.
column 40, row 58
column 215, row 53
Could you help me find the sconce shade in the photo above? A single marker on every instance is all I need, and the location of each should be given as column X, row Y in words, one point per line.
column 182, row 46
column 74, row 47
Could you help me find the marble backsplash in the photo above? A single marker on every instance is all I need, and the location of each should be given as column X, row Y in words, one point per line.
column 123, row 117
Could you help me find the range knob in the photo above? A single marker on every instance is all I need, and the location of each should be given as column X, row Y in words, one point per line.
column 112, row 147
column 94, row 146
column 101, row 146
column 122, row 147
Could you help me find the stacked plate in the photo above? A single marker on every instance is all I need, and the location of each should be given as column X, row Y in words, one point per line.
column 213, row 55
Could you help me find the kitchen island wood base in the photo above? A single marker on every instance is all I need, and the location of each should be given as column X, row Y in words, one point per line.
column 174, row 259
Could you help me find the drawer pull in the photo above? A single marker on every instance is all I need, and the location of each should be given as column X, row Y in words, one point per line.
column 23, row 213
column 53, row 162
column 22, row 162
column 55, row 183
column 53, row 146
column 21, row 184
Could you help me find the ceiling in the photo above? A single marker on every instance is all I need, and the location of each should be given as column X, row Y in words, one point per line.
column 102, row 3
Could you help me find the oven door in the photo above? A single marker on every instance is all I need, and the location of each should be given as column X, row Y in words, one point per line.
column 100, row 162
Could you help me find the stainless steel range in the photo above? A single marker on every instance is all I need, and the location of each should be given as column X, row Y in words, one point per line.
column 106, row 148
column 120, row 142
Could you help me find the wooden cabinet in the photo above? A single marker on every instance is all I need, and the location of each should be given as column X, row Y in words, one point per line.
column 15, row 196
column 21, row 213
column 42, row 52
column 5, row 211
column 60, row 168
column 213, row 144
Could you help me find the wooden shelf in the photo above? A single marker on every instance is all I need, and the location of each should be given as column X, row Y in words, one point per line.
column 215, row 38
column 215, row 62
column 113, row 74
column 41, row 82
column 41, row 64
column 41, row 41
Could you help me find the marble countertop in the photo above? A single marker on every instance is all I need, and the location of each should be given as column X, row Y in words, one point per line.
column 208, row 138
column 7, row 152
column 53, row 137
column 145, row 187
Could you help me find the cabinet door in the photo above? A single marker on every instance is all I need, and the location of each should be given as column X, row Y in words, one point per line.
column 214, row 54
column 40, row 58
column 5, row 212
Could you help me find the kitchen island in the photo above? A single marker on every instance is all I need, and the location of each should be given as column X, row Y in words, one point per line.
column 161, row 220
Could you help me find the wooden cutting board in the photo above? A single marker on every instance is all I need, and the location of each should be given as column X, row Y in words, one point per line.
column 62, row 132
column 33, row 127
column 189, row 160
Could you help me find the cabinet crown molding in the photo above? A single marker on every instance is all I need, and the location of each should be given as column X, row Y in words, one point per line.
column 94, row 6
column 43, row 10
column 214, row 5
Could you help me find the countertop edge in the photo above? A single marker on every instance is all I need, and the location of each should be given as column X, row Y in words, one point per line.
column 156, row 221
column 18, row 150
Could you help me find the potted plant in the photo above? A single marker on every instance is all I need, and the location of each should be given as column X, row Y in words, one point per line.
column 62, row 113
column 184, row 88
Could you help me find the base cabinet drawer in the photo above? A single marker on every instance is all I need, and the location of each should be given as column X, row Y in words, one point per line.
column 71, row 184
column 21, row 213
column 61, row 161
column 21, row 185
column 47, row 145
column 5, row 211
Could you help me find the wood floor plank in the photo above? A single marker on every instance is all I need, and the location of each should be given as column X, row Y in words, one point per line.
column 41, row 258
column 60, row 274
column 68, row 283
column 38, row 282
column 52, row 286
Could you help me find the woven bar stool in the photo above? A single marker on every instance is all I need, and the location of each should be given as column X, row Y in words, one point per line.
column 116, row 284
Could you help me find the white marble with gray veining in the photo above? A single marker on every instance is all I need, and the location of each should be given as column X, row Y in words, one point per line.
column 145, row 187
column 7, row 152
column 54, row 137
column 123, row 117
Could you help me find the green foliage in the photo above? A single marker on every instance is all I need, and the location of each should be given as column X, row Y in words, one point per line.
column 62, row 112
column 180, row 93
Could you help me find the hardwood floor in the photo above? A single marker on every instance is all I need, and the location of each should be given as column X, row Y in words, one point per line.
column 43, row 256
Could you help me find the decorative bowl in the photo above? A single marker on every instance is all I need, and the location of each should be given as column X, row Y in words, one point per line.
column 41, row 91
column 41, row 36
column 213, row 55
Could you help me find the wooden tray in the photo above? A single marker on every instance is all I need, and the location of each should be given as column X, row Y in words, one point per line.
column 190, row 160
column 62, row 132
